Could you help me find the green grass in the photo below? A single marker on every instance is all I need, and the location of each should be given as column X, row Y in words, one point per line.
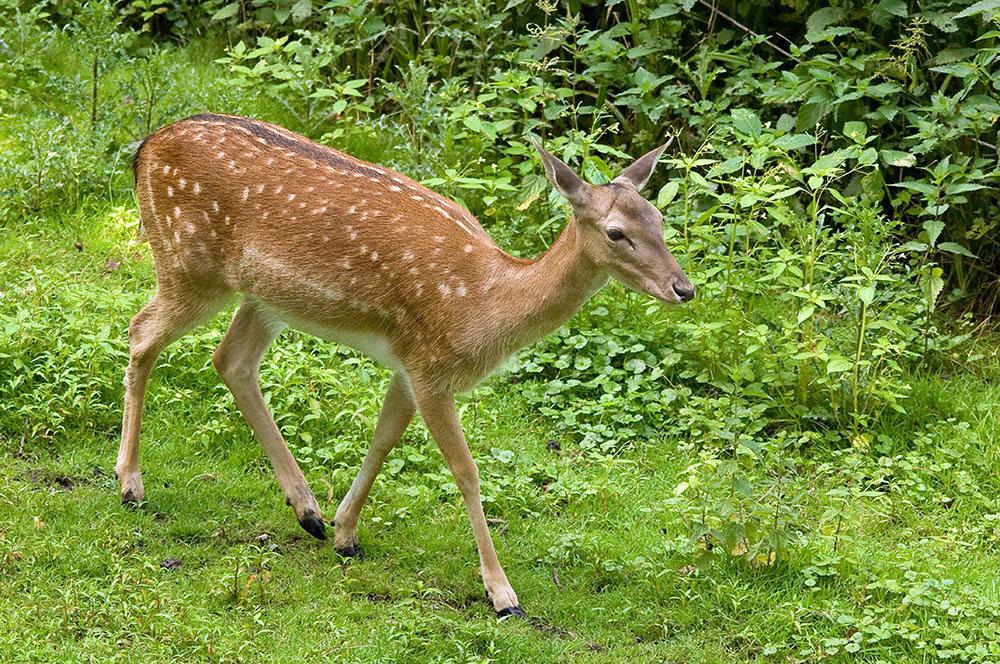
column 594, row 544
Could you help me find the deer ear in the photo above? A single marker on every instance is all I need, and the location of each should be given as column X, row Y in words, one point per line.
column 562, row 177
column 635, row 176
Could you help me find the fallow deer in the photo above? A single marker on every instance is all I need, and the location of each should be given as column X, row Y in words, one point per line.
column 359, row 254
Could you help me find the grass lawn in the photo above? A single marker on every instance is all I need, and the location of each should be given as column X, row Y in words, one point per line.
column 901, row 563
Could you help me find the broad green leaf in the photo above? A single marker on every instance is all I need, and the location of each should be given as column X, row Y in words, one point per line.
column 894, row 7
column 838, row 364
column 954, row 189
column 955, row 248
column 664, row 10
column 979, row 7
column 866, row 294
column 923, row 187
column 473, row 123
column 667, row 193
column 302, row 9
column 897, row 158
column 806, row 312
column 933, row 228
column 821, row 18
column 932, row 284
column 228, row 11
column 746, row 122
column 855, row 130
column 794, row 141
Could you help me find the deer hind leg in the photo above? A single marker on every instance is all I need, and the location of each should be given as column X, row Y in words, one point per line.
column 441, row 418
column 237, row 359
column 398, row 408
column 161, row 322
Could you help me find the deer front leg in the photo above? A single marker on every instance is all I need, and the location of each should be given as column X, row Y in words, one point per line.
column 237, row 359
column 166, row 318
column 441, row 418
column 397, row 411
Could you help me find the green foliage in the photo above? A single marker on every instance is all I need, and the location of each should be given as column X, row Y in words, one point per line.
column 798, row 464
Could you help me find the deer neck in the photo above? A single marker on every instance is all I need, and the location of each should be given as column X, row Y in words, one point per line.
column 537, row 296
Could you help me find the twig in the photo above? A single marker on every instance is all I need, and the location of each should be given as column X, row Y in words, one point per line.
column 985, row 144
column 20, row 449
column 739, row 25
column 555, row 576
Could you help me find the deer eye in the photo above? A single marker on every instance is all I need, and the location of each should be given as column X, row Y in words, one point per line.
column 615, row 234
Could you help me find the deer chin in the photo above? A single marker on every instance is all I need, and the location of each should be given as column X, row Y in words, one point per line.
column 662, row 292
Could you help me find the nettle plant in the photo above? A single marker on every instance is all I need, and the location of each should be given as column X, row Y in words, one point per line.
column 806, row 320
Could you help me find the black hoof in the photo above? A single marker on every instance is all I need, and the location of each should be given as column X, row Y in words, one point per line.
column 131, row 502
column 314, row 526
column 511, row 612
column 352, row 551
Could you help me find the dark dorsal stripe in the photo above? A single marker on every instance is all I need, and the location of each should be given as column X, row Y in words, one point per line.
column 303, row 146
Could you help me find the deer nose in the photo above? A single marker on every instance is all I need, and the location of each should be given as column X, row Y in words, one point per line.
column 684, row 291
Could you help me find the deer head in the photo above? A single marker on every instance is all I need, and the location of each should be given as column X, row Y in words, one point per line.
column 622, row 232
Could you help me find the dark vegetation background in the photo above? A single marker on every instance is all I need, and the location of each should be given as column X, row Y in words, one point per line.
column 801, row 462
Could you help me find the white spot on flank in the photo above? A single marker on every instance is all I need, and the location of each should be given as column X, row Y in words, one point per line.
column 344, row 263
column 278, row 189
column 189, row 227
column 269, row 161
column 177, row 237
column 227, row 220
column 166, row 243
column 364, row 249
column 310, row 189
column 417, row 198
column 354, row 235
column 460, row 291
column 351, row 209
column 170, row 192
column 357, row 175
column 420, row 289
column 439, row 238
column 260, row 188
column 326, row 238
column 197, row 187
column 215, row 206
column 319, row 210
column 220, row 154
column 394, row 188
column 246, row 192
column 468, row 248
column 442, row 211
column 374, row 255
column 182, row 182
column 413, row 270
column 166, row 169
column 408, row 255
column 177, row 213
